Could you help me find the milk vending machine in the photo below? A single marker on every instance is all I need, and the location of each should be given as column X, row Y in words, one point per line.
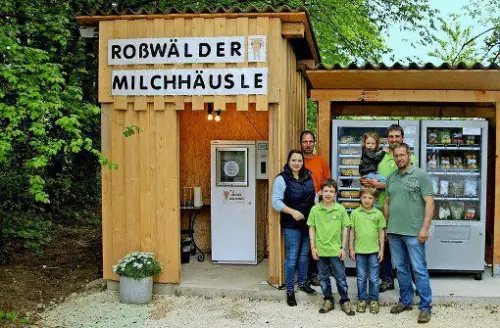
column 454, row 153
column 233, row 201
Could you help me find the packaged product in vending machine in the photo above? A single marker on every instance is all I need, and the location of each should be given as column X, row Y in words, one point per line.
column 432, row 161
column 470, row 188
column 470, row 212
column 470, row 140
column 347, row 139
column 457, row 210
column 435, row 184
column 432, row 137
column 445, row 163
column 471, row 161
column 444, row 212
column 456, row 188
column 445, row 137
column 458, row 138
column 457, row 162
column 443, row 187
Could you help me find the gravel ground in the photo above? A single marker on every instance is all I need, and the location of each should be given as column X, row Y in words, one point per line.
column 103, row 309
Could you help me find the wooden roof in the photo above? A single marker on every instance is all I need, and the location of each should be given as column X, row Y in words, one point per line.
column 411, row 77
column 305, row 48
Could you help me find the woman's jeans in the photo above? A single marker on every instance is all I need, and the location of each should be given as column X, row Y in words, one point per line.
column 407, row 250
column 332, row 266
column 297, row 254
column 367, row 266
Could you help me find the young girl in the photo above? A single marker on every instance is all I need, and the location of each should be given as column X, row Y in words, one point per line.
column 366, row 247
column 371, row 156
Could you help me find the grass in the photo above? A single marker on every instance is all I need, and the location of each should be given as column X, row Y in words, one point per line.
column 12, row 316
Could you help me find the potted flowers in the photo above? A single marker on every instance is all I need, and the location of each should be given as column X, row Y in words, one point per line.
column 136, row 272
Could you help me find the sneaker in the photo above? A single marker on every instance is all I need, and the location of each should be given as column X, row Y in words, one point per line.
column 398, row 308
column 374, row 307
column 328, row 305
column 314, row 281
column 384, row 286
column 307, row 289
column 361, row 307
column 290, row 299
column 346, row 307
column 424, row 316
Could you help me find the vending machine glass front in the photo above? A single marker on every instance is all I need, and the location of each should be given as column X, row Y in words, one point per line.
column 232, row 167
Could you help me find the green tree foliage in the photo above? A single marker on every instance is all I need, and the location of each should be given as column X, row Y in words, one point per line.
column 49, row 118
column 487, row 13
column 456, row 47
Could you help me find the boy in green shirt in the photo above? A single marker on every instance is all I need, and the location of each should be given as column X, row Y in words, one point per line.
column 366, row 247
column 328, row 222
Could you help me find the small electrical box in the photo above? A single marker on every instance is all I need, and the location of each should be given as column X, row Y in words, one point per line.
column 261, row 165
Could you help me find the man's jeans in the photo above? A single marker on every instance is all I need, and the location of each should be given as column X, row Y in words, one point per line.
column 297, row 253
column 406, row 250
column 328, row 266
column 367, row 269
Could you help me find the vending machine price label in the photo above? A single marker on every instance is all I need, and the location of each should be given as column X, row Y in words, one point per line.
column 472, row 131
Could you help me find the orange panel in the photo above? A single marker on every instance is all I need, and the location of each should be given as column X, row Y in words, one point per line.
column 196, row 133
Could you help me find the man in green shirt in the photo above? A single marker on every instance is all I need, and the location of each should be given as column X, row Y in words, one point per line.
column 387, row 166
column 409, row 208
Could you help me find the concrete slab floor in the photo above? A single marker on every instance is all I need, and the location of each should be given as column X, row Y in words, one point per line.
column 250, row 281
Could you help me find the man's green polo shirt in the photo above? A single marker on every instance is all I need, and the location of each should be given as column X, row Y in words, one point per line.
column 367, row 225
column 329, row 224
column 406, row 200
column 386, row 167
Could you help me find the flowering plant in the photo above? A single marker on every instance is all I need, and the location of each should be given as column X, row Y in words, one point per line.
column 138, row 265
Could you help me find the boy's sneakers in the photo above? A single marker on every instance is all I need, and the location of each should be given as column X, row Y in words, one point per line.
column 290, row 299
column 398, row 308
column 374, row 307
column 384, row 286
column 424, row 316
column 361, row 307
column 307, row 289
column 328, row 305
column 346, row 307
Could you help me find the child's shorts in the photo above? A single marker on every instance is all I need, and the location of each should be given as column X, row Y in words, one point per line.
column 377, row 176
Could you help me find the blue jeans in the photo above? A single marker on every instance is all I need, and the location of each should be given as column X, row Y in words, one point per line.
column 297, row 254
column 332, row 266
column 407, row 250
column 367, row 269
column 375, row 175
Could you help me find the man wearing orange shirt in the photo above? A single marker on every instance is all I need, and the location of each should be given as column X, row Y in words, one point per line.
column 320, row 172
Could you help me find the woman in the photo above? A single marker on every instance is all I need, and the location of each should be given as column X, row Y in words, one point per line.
column 293, row 197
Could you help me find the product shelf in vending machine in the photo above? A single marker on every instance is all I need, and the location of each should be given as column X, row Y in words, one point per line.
column 346, row 155
column 452, row 154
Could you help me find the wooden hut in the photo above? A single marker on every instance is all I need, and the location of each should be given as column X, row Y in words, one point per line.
column 141, row 199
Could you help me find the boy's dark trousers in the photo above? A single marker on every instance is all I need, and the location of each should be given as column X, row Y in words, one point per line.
column 328, row 266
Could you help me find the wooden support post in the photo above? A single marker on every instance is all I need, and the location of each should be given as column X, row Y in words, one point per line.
column 496, row 223
column 292, row 30
column 323, row 133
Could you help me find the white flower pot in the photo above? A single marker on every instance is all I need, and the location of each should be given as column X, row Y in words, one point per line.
column 134, row 291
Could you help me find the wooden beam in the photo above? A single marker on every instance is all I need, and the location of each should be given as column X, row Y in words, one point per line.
column 292, row 30
column 306, row 63
column 323, row 133
column 456, row 79
column 496, row 223
column 363, row 95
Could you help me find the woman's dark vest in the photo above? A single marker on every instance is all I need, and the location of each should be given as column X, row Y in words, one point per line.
column 299, row 195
